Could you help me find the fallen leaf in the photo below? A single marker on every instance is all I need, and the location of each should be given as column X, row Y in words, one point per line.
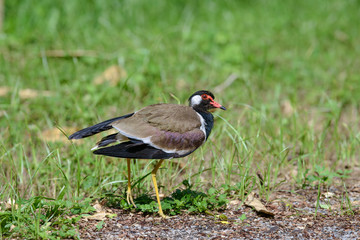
column 4, row 91
column 286, row 108
column 324, row 206
column 253, row 202
column 223, row 222
column 97, row 216
column 3, row 113
column 26, row 93
column 100, row 214
column 329, row 194
column 235, row 202
column 98, row 207
column 112, row 75
column 33, row 93
column 310, row 224
column 9, row 204
column 12, row 227
column 55, row 135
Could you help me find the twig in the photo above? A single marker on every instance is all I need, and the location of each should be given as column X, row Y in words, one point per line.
column 226, row 83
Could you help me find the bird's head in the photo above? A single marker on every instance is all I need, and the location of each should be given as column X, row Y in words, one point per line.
column 203, row 101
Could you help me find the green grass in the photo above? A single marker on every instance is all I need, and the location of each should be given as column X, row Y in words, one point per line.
column 292, row 109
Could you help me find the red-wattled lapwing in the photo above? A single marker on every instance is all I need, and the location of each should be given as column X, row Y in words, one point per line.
column 159, row 131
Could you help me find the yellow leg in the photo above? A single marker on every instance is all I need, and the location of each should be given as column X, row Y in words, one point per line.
column 129, row 195
column 153, row 176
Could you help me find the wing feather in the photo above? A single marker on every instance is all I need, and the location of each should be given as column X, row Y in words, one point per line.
column 172, row 128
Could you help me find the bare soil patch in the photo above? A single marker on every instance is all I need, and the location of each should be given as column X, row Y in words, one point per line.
column 294, row 218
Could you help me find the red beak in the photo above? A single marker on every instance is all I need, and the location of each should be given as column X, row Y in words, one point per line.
column 217, row 105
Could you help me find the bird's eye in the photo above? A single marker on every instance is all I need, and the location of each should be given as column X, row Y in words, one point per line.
column 204, row 96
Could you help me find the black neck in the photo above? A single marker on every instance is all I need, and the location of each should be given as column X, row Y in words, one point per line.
column 209, row 121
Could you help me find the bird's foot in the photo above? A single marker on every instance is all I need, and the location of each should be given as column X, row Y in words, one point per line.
column 129, row 198
column 162, row 214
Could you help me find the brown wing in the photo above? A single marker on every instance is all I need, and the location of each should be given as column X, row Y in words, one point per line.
column 167, row 126
column 159, row 117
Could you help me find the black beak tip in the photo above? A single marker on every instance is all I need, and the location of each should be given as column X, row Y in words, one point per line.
column 223, row 108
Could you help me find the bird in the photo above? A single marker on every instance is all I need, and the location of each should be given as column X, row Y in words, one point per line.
column 159, row 131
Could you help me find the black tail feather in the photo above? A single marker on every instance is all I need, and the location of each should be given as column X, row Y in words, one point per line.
column 103, row 126
column 107, row 140
column 134, row 150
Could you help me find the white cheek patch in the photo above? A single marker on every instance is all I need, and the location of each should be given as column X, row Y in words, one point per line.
column 195, row 100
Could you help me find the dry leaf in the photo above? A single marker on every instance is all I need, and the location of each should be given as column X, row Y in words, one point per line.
column 55, row 135
column 235, row 202
column 9, row 204
column 32, row 93
column 97, row 216
column 98, row 207
column 293, row 173
column 112, row 75
column 253, row 202
column 286, row 108
column 12, row 227
column 3, row 113
column 100, row 214
column 4, row 91
column 26, row 93
column 322, row 205
column 223, row 222
column 328, row 194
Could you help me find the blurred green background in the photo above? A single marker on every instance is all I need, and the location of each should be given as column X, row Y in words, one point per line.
column 293, row 93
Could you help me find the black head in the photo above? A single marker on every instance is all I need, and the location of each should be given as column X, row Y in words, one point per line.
column 203, row 101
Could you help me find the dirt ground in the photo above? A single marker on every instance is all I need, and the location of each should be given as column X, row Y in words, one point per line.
column 293, row 218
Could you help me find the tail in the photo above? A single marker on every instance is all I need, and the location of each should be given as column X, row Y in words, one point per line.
column 116, row 137
column 107, row 140
column 103, row 126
